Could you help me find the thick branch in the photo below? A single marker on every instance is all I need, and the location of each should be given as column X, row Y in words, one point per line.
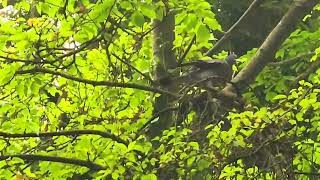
column 95, row 83
column 77, row 162
column 162, row 45
column 267, row 51
column 65, row 133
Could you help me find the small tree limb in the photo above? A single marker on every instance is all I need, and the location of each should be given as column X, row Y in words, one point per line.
column 65, row 133
column 291, row 60
column 313, row 67
column 96, row 83
column 33, row 157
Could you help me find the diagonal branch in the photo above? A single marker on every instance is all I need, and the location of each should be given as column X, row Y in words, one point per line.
column 134, row 68
column 266, row 52
column 234, row 27
column 65, row 133
column 187, row 50
column 96, row 83
column 33, row 157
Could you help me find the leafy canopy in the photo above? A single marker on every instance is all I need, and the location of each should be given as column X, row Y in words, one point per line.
column 77, row 95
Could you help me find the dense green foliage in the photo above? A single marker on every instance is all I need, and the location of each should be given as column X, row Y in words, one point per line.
column 78, row 89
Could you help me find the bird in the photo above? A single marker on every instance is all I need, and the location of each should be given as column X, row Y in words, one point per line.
column 207, row 73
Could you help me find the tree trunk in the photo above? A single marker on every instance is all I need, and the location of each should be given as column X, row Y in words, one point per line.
column 164, row 59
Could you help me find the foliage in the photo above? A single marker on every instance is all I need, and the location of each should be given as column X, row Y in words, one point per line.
column 77, row 84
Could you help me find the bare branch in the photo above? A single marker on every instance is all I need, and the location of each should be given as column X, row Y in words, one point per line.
column 10, row 60
column 308, row 173
column 187, row 50
column 96, row 83
column 134, row 68
column 65, row 133
column 233, row 28
column 33, row 157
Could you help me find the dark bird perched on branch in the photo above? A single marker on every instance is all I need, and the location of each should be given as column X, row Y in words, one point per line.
column 208, row 74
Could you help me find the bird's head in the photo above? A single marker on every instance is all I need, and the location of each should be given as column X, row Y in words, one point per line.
column 231, row 59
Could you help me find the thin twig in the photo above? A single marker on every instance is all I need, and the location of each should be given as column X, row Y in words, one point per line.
column 253, row 5
column 313, row 67
column 65, row 133
column 187, row 50
column 308, row 173
column 96, row 83
column 134, row 68
column 291, row 60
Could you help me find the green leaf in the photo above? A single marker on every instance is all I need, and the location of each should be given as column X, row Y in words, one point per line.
column 137, row 19
column 270, row 95
column 148, row 10
column 203, row 164
column 149, row 177
column 99, row 13
column 25, row 5
column 115, row 175
column 126, row 5
column 203, row 33
column 7, row 73
column 280, row 96
column 212, row 23
column 191, row 21
column 190, row 161
column 160, row 10
column 195, row 145
column 4, row 3
column 304, row 103
column 35, row 86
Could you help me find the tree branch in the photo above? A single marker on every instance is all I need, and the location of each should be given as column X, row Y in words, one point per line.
column 313, row 66
column 96, row 83
column 33, row 157
column 233, row 28
column 164, row 59
column 134, row 68
column 65, row 133
column 266, row 52
column 308, row 173
column 10, row 60
column 187, row 50
column 291, row 60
